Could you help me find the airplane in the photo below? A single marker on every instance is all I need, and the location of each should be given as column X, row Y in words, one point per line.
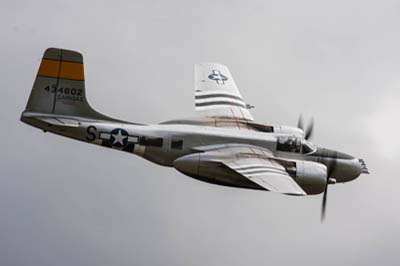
column 222, row 145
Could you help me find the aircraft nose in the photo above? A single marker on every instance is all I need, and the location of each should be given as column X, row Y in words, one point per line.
column 350, row 169
column 328, row 153
column 347, row 167
column 364, row 169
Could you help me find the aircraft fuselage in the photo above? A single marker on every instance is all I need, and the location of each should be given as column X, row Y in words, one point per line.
column 164, row 143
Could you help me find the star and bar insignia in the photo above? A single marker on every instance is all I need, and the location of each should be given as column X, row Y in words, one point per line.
column 119, row 138
column 218, row 77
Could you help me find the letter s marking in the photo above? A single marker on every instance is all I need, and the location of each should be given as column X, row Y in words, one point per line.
column 91, row 131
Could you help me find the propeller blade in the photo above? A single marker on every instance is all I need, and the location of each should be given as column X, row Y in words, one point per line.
column 330, row 168
column 323, row 207
column 309, row 131
column 300, row 122
column 324, row 200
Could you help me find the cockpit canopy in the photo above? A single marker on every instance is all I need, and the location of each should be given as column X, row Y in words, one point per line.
column 295, row 144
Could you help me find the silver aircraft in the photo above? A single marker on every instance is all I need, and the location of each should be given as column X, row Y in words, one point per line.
column 223, row 145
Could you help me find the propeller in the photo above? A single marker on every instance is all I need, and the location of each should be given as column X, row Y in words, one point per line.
column 331, row 164
column 329, row 180
column 308, row 132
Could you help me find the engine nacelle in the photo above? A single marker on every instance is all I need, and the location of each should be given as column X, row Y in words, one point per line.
column 311, row 176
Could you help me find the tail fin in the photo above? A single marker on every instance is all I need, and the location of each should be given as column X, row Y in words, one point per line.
column 59, row 87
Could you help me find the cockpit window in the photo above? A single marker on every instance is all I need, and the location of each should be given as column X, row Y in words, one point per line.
column 295, row 144
column 307, row 147
column 289, row 144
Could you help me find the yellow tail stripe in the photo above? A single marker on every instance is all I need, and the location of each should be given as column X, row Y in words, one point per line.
column 49, row 68
column 69, row 70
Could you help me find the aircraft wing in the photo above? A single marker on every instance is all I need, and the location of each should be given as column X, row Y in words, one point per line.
column 256, row 164
column 216, row 94
column 267, row 173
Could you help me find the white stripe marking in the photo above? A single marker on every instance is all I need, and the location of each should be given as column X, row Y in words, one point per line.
column 105, row 136
column 200, row 93
column 218, row 99
column 133, row 139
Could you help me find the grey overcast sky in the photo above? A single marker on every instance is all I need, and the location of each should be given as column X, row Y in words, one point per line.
column 68, row 203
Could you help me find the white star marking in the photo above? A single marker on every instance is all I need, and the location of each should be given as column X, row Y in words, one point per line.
column 118, row 138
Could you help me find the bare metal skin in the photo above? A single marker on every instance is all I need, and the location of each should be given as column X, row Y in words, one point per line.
column 222, row 146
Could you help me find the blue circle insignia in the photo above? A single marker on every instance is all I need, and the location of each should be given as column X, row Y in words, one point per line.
column 119, row 137
column 218, row 77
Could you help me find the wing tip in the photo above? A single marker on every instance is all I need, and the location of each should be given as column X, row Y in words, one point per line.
column 209, row 64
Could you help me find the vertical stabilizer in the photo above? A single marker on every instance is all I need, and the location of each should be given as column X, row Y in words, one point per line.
column 59, row 87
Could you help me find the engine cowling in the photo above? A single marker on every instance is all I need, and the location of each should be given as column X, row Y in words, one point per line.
column 311, row 176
